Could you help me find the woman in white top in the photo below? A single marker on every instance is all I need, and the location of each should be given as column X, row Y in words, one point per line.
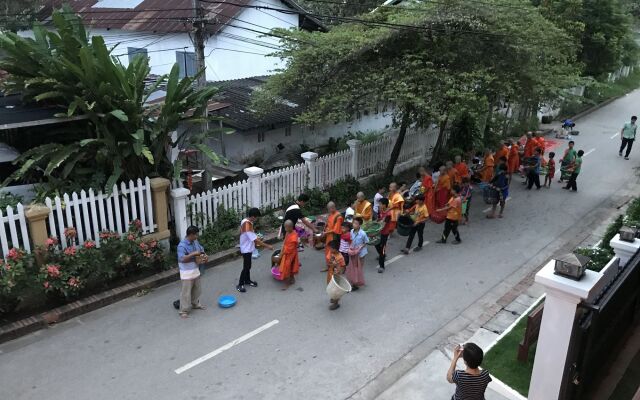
column 248, row 242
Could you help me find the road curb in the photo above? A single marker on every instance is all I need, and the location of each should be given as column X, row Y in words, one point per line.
column 36, row 322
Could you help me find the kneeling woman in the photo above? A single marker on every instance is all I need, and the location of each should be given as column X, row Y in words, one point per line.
column 289, row 263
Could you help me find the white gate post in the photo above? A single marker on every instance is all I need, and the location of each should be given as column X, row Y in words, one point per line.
column 355, row 145
column 624, row 250
column 179, row 199
column 310, row 158
column 254, row 175
column 562, row 298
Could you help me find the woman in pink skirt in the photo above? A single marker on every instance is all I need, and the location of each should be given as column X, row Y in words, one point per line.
column 357, row 252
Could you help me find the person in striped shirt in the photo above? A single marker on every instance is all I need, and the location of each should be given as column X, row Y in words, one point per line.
column 471, row 383
column 188, row 251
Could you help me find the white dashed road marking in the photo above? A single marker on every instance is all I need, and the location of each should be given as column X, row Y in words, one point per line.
column 589, row 152
column 614, row 136
column 226, row 347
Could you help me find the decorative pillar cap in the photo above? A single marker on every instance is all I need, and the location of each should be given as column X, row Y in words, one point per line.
column 354, row 143
column 577, row 290
column 309, row 156
column 37, row 212
column 253, row 171
column 180, row 193
column 159, row 184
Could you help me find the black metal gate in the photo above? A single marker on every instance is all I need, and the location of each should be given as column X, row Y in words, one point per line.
column 599, row 331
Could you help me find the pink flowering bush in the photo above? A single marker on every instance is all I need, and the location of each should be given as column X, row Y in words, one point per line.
column 16, row 279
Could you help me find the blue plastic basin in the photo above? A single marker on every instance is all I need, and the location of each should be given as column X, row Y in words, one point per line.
column 226, row 301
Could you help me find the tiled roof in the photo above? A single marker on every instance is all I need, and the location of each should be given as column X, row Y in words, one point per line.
column 239, row 115
column 164, row 16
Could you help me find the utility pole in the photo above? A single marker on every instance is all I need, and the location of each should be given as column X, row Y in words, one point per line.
column 199, row 36
column 199, row 33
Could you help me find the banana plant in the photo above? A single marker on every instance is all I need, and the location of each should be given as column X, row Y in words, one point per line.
column 123, row 137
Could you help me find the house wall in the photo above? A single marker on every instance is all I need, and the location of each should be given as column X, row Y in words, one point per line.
column 244, row 146
column 233, row 53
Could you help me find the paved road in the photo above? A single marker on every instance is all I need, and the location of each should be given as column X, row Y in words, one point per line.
column 130, row 350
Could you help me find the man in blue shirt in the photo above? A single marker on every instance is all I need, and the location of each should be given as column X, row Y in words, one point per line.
column 188, row 251
column 533, row 174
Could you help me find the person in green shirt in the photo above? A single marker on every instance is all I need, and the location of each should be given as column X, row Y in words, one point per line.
column 575, row 171
column 567, row 159
column 628, row 135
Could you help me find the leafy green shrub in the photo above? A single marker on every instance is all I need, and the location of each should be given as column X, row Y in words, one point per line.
column 611, row 231
column 344, row 191
column 632, row 217
column 9, row 200
column 222, row 233
column 17, row 279
column 599, row 257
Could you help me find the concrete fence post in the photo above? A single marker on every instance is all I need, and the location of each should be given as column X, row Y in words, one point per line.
column 37, row 218
column 560, row 306
column 354, row 146
column 179, row 199
column 254, row 175
column 310, row 158
column 160, row 201
column 624, row 250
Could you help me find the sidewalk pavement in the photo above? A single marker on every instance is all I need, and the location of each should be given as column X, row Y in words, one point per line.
column 427, row 380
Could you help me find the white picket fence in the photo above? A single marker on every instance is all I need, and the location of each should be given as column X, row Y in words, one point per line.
column 373, row 156
column 91, row 213
column 332, row 168
column 202, row 208
column 13, row 230
column 282, row 183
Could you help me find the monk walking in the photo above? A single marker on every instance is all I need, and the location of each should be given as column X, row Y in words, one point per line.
column 333, row 229
column 461, row 167
column 503, row 151
column 454, row 176
column 530, row 146
column 289, row 262
column 487, row 167
column 396, row 202
column 443, row 188
column 363, row 207
column 513, row 161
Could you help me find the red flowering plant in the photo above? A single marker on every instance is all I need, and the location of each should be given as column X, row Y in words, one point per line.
column 17, row 279
column 133, row 253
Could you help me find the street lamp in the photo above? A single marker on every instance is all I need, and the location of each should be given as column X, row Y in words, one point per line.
column 572, row 266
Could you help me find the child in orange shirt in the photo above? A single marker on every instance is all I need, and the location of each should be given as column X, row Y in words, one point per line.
column 336, row 265
column 454, row 213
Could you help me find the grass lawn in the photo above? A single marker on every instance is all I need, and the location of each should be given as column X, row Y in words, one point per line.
column 502, row 363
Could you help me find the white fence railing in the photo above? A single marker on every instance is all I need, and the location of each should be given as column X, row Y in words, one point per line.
column 13, row 230
column 91, row 213
column 373, row 156
column 332, row 168
column 202, row 208
column 279, row 184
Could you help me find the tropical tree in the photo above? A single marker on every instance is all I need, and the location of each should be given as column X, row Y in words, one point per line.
column 124, row 137
column 17, row 14
column 431, row 61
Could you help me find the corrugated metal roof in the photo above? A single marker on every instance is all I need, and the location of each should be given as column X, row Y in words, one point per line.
column 239, row 115
column 164, row 16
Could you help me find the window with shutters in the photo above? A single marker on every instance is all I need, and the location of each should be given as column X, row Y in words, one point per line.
column 187, row 63
column 133, row 52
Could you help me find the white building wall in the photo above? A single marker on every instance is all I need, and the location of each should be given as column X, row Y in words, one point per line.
column 244, row 146
column 235, row 52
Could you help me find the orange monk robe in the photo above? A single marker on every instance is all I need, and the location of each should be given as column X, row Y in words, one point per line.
column 487, row 171
column 463, row 170
column 443, row 190
column 513, row 163
column 502, row 152
column 541, row 143
column 289, row 262
column 429, row 195
column 530, row 147
column 364, row 210
column 454, row 176
column 332, row 231
column 396, row 205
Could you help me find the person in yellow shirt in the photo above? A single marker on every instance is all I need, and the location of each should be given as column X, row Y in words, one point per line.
column 363, row 207
column 454, row 213
column 419, row 213
column 396, row 202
